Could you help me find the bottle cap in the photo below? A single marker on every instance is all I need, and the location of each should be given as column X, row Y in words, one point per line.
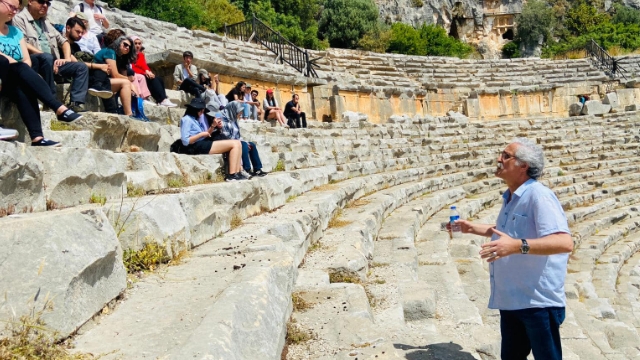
column 453, row 208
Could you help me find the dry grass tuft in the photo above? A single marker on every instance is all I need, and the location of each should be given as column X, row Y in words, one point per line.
column 236, row 221
column 148, row 258
column 29, row 338
column 336, row 222
column 299, row 303
column 98, row 199
column 134, row 191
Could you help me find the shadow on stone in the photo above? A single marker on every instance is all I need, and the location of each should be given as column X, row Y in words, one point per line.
column 441, row 351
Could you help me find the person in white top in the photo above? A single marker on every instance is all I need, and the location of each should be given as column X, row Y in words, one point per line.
column 95, row 15
column 89, row 41
column 256, row 112
column 272, row 110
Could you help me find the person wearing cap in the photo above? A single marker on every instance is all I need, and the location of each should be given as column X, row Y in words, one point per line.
column 155, row 84
column 250, row 157
column 272, row 110
column 50, row 52
column 89, row 41
column 185, row 76
column 212, row 95
column 201, row 138
column 254, row 106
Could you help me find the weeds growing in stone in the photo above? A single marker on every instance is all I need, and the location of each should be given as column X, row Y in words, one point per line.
column 134, row 191
column 295, row 333
column 357, row 203
column 176, row 183
column 61, row 126
column 52, row 205
column 299, row 303
column 97, row 199
column 291, row 198
column 236, row 221
column 340, row 277
column 29, row 338
column 336, row 222
column 279, row 166
column 148, row 258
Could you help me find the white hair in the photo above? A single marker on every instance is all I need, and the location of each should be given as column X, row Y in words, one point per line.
column 531, row 154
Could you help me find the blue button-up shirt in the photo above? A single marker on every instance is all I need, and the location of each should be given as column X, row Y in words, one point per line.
column 189, row 126
column 529, row 281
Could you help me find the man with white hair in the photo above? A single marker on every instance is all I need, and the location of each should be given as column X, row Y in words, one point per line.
column 528, row 255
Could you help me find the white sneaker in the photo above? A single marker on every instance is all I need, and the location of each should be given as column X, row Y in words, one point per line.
column 166, row 102
column 8, row 134
column 103, row 94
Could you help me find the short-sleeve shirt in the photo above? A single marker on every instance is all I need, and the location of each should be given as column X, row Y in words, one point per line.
column 94, row 26
column 10, row 43
column 101, row 56
column 288, row 108
column 232, row 92
column 529, row 281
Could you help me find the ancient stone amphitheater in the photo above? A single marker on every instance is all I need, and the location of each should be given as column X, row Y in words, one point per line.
column 341, row 245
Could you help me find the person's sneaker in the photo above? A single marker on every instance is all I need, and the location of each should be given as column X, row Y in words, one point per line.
column 103, row 94
column 77, row 107
column 45, row 142
column 232, row 177
column 259, row 172
column 69, row 116
column 168, row 103
column 245, row 175
column 8, row 134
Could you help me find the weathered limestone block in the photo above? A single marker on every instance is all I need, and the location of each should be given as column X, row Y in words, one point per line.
column 152, row 171
column 595, row 107
column 611, row 99
column 144, row 135
column 351, row 116
column 620, row 335
column 108, row 131
column 21, row 180
column 418, row 301
column 575, row 109
column 70, row 257
column 71, row 175
column 168, row 134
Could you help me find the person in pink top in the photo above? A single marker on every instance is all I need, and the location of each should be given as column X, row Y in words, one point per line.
column 154, row 85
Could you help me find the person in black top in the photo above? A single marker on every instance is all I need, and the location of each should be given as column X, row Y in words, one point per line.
column 297, row 118
column 237, row 94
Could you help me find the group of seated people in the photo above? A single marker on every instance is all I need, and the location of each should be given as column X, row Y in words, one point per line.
column 36, row 56
column 200, row 84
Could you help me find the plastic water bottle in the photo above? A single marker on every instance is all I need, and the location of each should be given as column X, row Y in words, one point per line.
column 455, row 228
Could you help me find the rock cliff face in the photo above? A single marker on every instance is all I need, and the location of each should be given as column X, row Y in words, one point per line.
column 486, row 23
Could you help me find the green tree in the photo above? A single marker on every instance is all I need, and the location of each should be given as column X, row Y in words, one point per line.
column 536, row 21
column 438, row 43
column 405, row 39
column 625, row 15
column 583, row 17
column 377, row 40
column 344, row 22
column 290, row 25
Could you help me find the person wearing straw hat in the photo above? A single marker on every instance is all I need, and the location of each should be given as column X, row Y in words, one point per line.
column 201, row 138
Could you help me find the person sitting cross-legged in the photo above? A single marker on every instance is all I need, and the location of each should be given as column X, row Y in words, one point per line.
column 199, row 137
column 51, row 53
column 250, row 157
column 272, row 110
column 21, row 84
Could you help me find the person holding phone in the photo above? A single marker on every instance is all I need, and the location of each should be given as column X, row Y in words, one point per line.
column 201, row 138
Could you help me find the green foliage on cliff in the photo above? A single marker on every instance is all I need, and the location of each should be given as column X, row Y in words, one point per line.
column 344, row 22
column 568, row 25
column 426, row 40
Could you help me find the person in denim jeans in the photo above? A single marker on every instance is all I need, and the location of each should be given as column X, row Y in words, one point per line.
column 250, row 157
column 528, row 254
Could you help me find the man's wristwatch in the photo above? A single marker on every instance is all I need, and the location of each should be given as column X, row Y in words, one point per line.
column 524, row 249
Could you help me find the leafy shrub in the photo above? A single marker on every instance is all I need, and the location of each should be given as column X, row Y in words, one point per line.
column 511, row 50
column 427, row 40
column 344, row 22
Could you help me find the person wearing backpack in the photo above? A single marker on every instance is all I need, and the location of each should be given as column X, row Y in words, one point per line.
column 98, row 22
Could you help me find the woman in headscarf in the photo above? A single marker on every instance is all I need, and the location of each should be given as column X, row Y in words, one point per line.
column 199, row 138
column 143, row 73
column 250, row 157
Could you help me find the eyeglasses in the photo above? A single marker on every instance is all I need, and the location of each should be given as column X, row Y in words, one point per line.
column 44, row 2
column 127, row 45
column 11, row 8
column 506, row 156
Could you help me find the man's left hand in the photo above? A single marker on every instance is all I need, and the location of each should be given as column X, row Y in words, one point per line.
column 504, row 246
column 57, row 64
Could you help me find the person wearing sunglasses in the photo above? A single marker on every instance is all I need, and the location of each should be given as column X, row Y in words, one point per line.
column 118, row 55
column 21, row 84
column 50, row 53
column 528, row 254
